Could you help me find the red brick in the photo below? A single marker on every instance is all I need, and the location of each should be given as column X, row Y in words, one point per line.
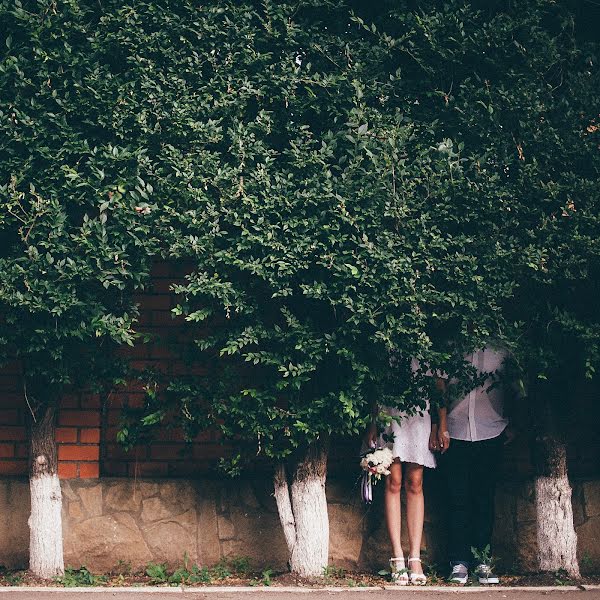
column 161, row 269
column 11, row 383
column 157, row 469
column 142, row 365
column 163, row 286
column 13, row 433
column 67, row 470
column 69, row 401
column 114, row 468
column 91, row 401
column 89, row 436
column 13, row 467
column 155, row 302
column 22, row 450
column 7, row 450
column 81, row 418
column 114, row 450
column 169, row 452
column 68, row 452
column 66, row 434
column 9, row 417
column 161, row 352
column 163, row 318
column 88, row 470
column 11, row 400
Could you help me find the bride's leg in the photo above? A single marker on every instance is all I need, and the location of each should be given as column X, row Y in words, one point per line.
column 415, row 511
column 393, row 485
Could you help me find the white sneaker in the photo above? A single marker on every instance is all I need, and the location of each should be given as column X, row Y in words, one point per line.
column 485, row 575
column 459, row 574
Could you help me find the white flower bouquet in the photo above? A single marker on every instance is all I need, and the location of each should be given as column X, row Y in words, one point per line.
column 375, row 463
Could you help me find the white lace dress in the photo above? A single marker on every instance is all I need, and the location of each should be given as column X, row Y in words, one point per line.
column 411, row 438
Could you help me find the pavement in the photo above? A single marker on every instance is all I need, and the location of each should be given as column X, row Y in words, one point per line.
column 279, row 593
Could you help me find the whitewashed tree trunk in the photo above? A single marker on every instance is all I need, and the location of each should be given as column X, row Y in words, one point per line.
column 45, row 522
column 556, row 536
column 303, row 514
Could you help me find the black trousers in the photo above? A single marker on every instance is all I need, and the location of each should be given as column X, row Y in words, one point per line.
column 470, row 470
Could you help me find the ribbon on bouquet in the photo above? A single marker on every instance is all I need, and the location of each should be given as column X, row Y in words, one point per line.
column 366, row 488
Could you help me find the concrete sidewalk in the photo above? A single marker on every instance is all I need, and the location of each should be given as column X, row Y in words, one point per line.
column 275, row 593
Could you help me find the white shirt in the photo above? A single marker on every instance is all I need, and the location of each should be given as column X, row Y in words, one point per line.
column 479, row 415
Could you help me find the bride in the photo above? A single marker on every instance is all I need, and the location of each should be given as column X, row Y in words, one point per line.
column 415, row 438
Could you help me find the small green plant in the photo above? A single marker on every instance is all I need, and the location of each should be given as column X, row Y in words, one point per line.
column 200, row 575
column 157, row 572
column 332, row 572
column 561, row 577
column 239, row 565
column 266, row 577
column 221, row 570
column 433, row 576
column 14, row 578
column 123, row 568
column 79, row 578
column 484, row 556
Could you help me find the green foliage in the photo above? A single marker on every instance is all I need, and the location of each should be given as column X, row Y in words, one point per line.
column 157, row 572
column 483, row 556
column 75, row 191
column 358, row 183
column 79, row 578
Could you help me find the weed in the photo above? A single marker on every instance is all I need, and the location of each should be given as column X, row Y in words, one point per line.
column 79, row 578
column 221, row 570
column 484, row 556
column 561, row 577
column 432, row 573
column 157, row 572
column 240, row 564
column 331, row 572
column 266, row 577
column 14, row 578
column 200, row 575
column 123, row 568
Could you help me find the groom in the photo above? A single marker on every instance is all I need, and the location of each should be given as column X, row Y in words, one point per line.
column 479, row 430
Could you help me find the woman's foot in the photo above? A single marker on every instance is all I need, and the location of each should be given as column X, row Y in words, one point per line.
column 417, row 577
column 399, row 571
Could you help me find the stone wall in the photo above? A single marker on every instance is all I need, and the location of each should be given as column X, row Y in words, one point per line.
column 137, row 522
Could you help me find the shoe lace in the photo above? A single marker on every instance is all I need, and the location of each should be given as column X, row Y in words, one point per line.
column 485, row 569
column 458, row 570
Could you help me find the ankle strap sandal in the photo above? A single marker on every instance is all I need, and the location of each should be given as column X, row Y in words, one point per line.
column 416, row 578
column 399, row 571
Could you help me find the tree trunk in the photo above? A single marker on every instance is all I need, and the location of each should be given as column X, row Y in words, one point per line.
column 302, row 510
column 45, row 522
column 556, row 537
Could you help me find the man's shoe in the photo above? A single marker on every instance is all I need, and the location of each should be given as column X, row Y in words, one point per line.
column 486, row 575
column 459, row 574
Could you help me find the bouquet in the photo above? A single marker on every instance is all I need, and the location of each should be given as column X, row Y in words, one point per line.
column 374, row 463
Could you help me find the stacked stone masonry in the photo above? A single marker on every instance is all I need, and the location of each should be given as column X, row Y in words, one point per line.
column 109, row 523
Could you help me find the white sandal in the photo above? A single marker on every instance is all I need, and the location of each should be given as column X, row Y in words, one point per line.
column 416, row 578
column 399, row 571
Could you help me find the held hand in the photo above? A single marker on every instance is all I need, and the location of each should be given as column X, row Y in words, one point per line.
column 433, row 438
column 443, row 440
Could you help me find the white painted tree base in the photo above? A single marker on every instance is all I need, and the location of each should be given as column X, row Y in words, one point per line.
column 45, row 527
column 556, row 537
column 304, row 519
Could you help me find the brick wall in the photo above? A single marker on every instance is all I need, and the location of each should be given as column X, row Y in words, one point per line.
column 88, row 424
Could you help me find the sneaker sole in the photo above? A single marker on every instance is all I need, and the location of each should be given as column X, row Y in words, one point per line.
column 489, row 581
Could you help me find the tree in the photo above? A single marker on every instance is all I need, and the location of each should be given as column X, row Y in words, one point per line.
column 517, row 88
column 73, row 230
column 306, row 195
